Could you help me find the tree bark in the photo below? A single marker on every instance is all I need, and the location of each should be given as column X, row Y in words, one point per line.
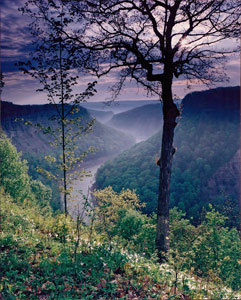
column 170, row 113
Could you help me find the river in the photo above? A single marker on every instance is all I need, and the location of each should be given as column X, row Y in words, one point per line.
column 82, row 189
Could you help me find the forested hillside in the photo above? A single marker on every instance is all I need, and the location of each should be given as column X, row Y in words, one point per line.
column 50, row 256
column 207, row 137
column 29, row 140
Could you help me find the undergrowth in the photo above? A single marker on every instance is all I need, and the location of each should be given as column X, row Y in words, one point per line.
column 40, row 259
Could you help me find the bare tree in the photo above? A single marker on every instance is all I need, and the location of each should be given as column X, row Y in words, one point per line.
column 154, row 42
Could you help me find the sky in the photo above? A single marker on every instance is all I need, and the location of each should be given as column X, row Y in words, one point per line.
column 20, row 88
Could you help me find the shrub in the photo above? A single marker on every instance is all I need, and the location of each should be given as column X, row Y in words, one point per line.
column 14, row 172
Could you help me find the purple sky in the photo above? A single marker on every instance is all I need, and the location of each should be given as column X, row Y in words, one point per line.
column 20, row 88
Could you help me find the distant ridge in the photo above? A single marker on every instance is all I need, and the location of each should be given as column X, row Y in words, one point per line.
column 220, row 99
column 28, row 140
column 32, row 111
column 141, row 122
column 117, row 106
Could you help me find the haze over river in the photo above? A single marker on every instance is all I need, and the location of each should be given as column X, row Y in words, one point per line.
column 76, row 205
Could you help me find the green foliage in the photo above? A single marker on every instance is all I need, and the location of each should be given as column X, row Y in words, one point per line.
column 204, row 145
column 137, row 231
column 117, row 219
column 210, row 251
column 217, row 251
column 37, row 160
column 134, row 171
column 182, row 237
column 110, row 207
column 34, row 264
column 14, row 172
column 62, row 228
column 42, row 193
column 130, row 223
column 15, row 181
column 37, row 257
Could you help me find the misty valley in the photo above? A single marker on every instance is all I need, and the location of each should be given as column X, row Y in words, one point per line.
column 127, row 137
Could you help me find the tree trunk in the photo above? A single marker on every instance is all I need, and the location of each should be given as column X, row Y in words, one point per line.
column 170, row 113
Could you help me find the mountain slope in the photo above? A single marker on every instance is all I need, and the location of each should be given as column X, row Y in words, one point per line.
column 207, row 137
column 117, row 106
column 141, row 122
column 28, row 140
column 101, row 115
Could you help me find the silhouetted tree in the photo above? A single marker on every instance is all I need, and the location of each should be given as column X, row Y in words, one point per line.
column 152, row 41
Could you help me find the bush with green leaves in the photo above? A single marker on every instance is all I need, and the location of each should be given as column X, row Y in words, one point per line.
column 14, row 172
column 109, row 207
column 217, row 251
column 62, row 228
column 137, row 231
column 129, row 224
column 118, row 218
column 210, row 250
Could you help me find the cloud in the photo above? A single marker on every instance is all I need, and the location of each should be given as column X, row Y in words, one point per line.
column 16, row 44
column 20, row 88
column 16, row 40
